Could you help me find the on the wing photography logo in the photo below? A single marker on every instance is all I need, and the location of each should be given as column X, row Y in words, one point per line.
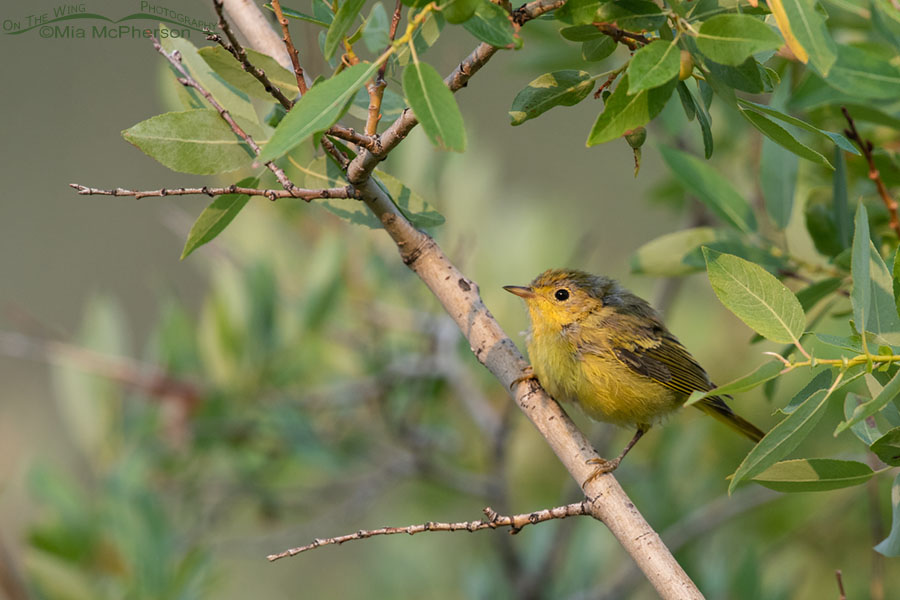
column 74, row 21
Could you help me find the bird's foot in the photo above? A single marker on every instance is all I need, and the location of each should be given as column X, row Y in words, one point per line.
column 527, row 375
column 604, row 466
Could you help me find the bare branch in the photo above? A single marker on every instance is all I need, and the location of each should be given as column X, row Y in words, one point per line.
column 253, row 24
column 294, row 192
column 866, row 147
column 145, row 378
column 289, row 44
column 494, row 520
column 233, row 45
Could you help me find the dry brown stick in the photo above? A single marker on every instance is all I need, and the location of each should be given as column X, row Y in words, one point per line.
column 621, row 36
column 494, row 520
column 186, row 80
column 289, row 44
column 376, row 87
column 271, row 194
column 866, row 147
column 233, row 46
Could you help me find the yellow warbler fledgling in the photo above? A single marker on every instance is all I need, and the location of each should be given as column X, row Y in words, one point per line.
column 594, row 343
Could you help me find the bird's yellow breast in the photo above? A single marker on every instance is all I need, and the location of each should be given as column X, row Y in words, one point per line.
column 604, row 388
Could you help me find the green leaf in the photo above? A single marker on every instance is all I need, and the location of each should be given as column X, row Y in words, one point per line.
column 598, row 49
column 491, row 25
column 866, row 430
column 861, row 293
column 317, row 110
column 808, row 27
column 223, row 63
column 868, row 75
column 896, row 286
column 234, row 101
column 778, row 181
column 376, row 35
column 713, row 189
column 744, row 77
column 755, row 378
column 343, row 20
column 411, row 204
column 216, row 217
column 459, row 11
column 296, row 14
column 810, row 296
column 664, row 256
column 194, row 141
column 814, row 475
column 577, row 12
column 434, row 106
column 731, row 39
column 702, row 111
column 890, row 546
column 780, row 136
column 567, row 88
column 322, row 172
column 782, row 439
column 632, row 15
column 851, row 343
column 423, row 38
column 870, row 408
column 653, row 65
column 624, row 112
column 837, row 138
column 872, row 296
column 840, row 208
column 887, row 447
column 735, row 244
column 582, row 33
column 756, row 297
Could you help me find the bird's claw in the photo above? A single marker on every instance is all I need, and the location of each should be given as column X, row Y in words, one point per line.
column 528, row 375
column 604, row 466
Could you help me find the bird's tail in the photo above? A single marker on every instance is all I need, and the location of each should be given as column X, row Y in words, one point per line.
column 716, row 407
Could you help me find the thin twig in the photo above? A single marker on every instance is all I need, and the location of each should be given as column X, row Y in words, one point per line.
column 376, row 88
column 840, row 581
column 494, row 520
column 867, row 147
column 233, row 45
column 271, row 194
column 348, row 134
column 342, row 159
column 289, row 44
column 186, row 80
column 621, row 36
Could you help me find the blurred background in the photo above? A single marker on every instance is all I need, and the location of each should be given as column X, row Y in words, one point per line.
column 166, row 424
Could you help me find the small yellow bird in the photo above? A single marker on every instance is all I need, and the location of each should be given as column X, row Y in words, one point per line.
column 595, row 344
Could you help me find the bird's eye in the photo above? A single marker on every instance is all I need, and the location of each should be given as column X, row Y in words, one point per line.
column 562, row 294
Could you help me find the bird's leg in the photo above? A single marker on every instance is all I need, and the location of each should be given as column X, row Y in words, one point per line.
column 608, row 466
column 528, row 375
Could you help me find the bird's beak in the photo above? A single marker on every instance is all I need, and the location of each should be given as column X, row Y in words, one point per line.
column 520, row 291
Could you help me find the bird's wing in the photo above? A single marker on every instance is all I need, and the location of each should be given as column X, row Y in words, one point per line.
column 648, row 349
